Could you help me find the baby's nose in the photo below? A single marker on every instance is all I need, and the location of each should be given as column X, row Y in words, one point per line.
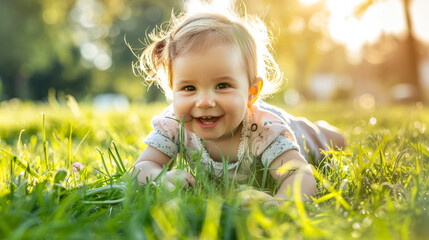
column 205, row 100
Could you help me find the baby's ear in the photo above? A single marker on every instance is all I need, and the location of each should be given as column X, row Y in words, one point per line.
column 254, row 91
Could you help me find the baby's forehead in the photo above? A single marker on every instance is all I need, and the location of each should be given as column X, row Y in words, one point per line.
column 222, row 55
column 197, row 43
column 219, row 61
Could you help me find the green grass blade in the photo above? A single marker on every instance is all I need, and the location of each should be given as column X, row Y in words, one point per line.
column 69, row 149
column 45, row 144
column 119, row 158
column 22, row 164
column 118, row 166
column 104, row 163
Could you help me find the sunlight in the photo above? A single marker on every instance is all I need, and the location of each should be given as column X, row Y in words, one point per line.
column 420, row 10
column 354, row 32
column 373, row 121
column 365, row 101
column 382, row 17
column 193, row 6
column 308, row 2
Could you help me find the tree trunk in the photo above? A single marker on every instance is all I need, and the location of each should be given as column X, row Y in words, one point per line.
column 413, row 56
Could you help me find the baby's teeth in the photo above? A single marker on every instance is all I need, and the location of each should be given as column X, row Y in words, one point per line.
column 206, row 120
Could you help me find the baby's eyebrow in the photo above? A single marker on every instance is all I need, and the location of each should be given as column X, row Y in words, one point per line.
column 225, row 77
column 184, row 81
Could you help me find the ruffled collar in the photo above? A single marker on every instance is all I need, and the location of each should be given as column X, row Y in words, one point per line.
column 218, row 166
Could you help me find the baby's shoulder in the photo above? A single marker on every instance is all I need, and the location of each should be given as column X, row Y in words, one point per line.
column 265, row 124
column 268, row 118
column 270, row 111
column 166, row 123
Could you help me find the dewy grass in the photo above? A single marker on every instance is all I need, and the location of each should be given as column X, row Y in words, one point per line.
column 376, row 188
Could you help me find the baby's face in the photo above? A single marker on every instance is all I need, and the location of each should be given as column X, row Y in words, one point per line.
column 211, row 89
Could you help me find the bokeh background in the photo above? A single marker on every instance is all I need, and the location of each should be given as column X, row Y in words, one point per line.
column 366, row 51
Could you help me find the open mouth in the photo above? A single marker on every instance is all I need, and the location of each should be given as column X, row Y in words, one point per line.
column 207, row 122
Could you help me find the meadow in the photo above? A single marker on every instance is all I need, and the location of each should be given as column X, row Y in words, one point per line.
column 65, row 173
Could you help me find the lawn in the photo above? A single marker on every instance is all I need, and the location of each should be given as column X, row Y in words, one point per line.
column 65, row 173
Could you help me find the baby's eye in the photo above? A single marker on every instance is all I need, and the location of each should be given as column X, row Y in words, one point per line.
column 189, row 88
column 222, row 85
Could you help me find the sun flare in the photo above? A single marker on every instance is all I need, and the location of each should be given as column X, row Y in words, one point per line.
column 382, row 17
column 193, row 6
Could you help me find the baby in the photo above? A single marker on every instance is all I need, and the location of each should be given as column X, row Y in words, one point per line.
column 217, row 68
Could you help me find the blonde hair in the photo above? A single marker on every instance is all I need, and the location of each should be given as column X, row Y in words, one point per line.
column 194, row 32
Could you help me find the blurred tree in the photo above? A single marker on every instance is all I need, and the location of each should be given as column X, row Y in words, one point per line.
column 75, row 46
column 411, row 42
column 297, row 35
column 29, row 45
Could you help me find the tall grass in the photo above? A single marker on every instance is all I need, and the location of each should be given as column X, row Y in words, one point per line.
column 376, row 188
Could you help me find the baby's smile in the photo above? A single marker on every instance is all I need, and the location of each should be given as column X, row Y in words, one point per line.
column 207, row 121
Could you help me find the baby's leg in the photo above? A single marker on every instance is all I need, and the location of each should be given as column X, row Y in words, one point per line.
column 333, row 134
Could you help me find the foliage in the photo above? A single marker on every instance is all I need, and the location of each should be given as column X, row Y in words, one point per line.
column 80, row 47
column 74, row 46
column 66, row 174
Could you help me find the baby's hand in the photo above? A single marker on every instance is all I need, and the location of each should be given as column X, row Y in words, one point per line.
column 178, row 177
column 250, row 196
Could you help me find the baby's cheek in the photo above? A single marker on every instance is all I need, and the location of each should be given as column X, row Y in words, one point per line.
column 181, row 112
column 188, row 127
column 236, row 104
column 184, row 117
column 236, row 100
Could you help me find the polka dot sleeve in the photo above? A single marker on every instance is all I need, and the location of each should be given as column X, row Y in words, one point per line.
column 164, row 134
column 280, row 145
column 164, row 144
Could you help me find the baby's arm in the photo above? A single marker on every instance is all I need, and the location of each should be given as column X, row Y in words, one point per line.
column 281, row 168
column 150, row 163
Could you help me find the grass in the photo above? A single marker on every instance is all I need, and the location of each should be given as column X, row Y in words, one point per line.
column 377, row 188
